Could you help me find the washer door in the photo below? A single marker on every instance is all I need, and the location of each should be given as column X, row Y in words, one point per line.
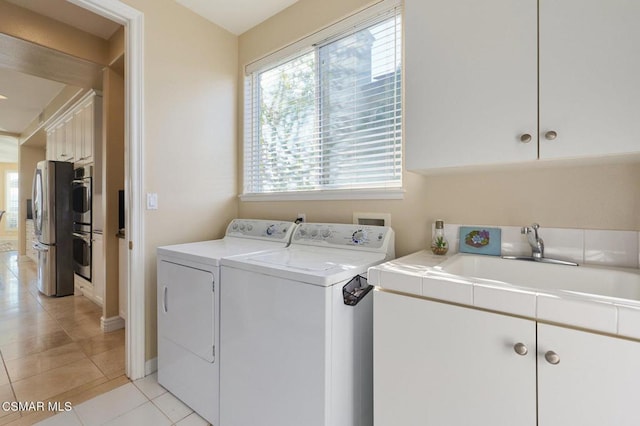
column 186, row 310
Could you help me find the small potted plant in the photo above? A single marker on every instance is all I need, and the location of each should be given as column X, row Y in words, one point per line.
column 439, row 246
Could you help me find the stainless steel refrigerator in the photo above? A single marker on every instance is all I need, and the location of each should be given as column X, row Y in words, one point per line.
column 53, row 225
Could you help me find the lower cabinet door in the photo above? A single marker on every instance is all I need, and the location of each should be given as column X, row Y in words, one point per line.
column 440, row 364
column 587, row 379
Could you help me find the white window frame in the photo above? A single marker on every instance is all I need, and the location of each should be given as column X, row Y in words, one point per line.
column 350, row 24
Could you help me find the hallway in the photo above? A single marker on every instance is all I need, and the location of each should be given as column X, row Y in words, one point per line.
column 51, row 349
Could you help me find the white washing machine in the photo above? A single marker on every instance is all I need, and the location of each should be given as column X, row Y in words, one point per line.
column 292, row 352
column 189, row 309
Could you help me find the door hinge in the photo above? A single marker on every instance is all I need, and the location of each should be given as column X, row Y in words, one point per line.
column 213, row 349
column 130, row 245
column 213, row 286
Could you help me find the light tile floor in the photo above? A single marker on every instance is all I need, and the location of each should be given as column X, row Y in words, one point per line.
column 51, row 349
column 143, row 402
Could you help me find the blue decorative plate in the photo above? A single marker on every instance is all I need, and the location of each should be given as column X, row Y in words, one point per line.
column 480, row 240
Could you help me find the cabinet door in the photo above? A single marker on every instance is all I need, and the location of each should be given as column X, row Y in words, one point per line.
column 51, row 145
column 123, row 278
column 97, row 267
column 60, row 154
column 589, row 68
column 77, row 136
column 88, row 131
column 470, row 82
column 439, row 364
column 69, row 139
column 594, row 384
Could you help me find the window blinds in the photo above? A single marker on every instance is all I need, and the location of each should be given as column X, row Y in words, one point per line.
column 328, row 117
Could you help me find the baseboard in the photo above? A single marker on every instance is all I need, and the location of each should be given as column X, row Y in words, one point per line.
column 151, row 366
column 111, row 324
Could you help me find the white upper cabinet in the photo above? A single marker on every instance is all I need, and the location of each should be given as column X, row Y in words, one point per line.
column 73, row 136
column 89, row 115
column 470, row 82
column 589, row 77
column 66, row 143
column 51, row 144
column 477, row 94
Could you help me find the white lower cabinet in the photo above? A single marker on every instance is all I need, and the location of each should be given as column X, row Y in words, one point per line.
column 594, row 384
column 97, row 267
column 438, row 364
column 122, row 277
column 441, row 364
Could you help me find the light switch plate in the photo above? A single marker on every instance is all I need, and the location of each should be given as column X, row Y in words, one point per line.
column 152, row 201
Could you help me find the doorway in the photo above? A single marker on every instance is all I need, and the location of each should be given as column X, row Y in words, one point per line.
column 132, row 20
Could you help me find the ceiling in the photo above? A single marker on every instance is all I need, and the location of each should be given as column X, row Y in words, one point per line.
column 26, row 97
column 236, row 16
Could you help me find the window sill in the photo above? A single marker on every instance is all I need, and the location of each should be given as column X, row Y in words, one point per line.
column 345, row 194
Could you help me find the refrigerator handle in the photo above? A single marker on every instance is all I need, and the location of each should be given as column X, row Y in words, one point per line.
column 40, row 247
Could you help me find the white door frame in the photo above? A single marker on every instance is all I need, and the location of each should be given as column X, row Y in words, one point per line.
column 133, row 21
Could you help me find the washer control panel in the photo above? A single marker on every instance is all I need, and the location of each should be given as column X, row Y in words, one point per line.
column 335, row 234
column 261, row 229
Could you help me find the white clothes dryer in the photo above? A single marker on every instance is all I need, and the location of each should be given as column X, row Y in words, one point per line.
column 189, row 309
column 296, row 329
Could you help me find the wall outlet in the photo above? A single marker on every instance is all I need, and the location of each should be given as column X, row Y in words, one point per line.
column 301, row 217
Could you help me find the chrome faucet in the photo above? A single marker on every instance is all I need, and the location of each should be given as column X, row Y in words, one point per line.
column 536, row 243
column 537, row 248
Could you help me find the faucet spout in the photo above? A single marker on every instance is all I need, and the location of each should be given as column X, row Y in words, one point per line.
column 536, row 243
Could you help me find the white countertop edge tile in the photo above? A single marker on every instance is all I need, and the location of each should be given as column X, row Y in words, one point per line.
column 628, row 321
column 578, row 312
column 609, row 316
column 450, row 289
column 513, row 301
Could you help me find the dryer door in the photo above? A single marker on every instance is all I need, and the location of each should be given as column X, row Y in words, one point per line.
column 186, row 310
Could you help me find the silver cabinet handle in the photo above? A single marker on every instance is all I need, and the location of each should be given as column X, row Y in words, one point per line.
column 552, row 357
column 525, row 138
column 164, row 300
column 521, row 349
column 550, row 135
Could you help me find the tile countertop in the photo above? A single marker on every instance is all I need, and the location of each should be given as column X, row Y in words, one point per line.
column 415, row 274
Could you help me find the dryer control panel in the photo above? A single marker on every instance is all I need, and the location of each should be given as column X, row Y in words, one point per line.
column 271, row 230
column 365, row 237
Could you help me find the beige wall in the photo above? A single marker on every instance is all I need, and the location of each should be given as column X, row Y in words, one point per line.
column 562, row 195
column 111, row 158
column 190, row 92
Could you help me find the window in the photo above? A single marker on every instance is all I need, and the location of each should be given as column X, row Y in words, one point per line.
column 328, row 117
column 11, row 215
